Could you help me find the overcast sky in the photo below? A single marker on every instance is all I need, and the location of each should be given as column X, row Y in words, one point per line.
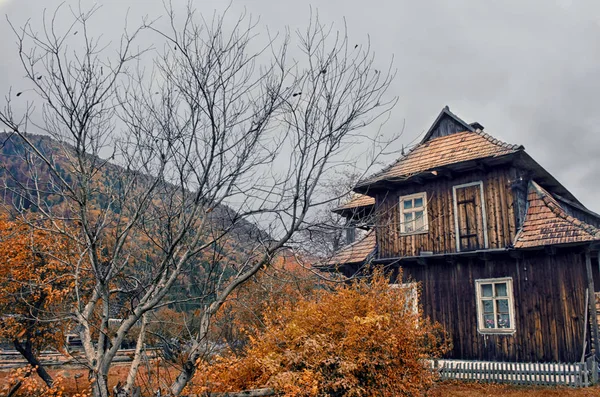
column 527, row 70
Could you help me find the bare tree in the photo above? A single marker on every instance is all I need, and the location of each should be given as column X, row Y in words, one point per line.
column 322, row 238
column 220, row 135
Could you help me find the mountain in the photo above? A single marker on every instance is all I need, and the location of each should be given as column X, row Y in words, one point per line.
column 15, row 176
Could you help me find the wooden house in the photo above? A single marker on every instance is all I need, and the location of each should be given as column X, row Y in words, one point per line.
column 506, row 256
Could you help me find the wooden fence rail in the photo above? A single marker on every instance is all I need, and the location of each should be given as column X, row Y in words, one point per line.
column 545, row 374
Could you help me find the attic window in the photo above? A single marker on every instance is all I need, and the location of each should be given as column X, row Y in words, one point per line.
column 495, row 307
column 413, row 213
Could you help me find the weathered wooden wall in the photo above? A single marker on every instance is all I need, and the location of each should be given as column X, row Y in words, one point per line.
column 498, row 199
column 549, row 296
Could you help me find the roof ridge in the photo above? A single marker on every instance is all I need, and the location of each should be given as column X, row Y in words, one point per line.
column 499, row 142
column 557, row 210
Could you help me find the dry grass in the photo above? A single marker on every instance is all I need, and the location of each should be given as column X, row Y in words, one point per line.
column 452, row 389
column 73, row 384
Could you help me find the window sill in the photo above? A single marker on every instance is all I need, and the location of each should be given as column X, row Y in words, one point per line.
column 414, row 233
column 497, row 331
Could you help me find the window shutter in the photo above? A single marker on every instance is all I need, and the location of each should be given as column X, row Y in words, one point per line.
column 469, row 217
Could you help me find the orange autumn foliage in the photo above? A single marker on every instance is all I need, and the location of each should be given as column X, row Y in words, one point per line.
column 33, row 387
column 35, row 283
column 284, row 281
column 358, row 339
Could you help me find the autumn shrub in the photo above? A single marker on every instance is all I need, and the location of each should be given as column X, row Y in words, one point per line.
column 357, row 339
column 35, row 284
column 30, row 386
column 284, row 281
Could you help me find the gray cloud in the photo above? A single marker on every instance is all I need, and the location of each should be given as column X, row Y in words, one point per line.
column 528, row 71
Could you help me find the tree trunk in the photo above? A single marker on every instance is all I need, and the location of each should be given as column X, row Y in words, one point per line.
column 27, row 352
column 15, row 388
column 137, row 358
column 189, row 367
column 186, row 374
column 100, row 386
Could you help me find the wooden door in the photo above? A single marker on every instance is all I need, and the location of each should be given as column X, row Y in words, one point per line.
column 469, row 213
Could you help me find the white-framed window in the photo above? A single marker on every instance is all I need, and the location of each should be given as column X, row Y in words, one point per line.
column 413, row 213
column 412, row 295
column 495, row 305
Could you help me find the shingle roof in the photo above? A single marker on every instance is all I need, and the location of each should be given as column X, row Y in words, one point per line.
column 359, row 200
column 356, row 252
column 546, row 223
column 441, row 151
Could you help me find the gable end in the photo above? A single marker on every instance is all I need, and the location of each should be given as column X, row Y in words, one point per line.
column 447, row 123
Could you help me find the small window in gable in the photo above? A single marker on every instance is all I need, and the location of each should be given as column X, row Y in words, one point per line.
column 413, row 213
column 495, row 306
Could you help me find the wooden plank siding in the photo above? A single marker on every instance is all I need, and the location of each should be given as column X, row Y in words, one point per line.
column 549, row 304
column 440, row 238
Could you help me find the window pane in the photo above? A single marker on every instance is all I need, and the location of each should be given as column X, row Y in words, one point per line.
column 419, row 202
column 408, row 204
column 501, row 289
column 420, row 220
column 488, row 306
column 409, row 227
column 488, row 321
column 408, row 217
column 503, row 321
column 502, row 305
column 486, row 290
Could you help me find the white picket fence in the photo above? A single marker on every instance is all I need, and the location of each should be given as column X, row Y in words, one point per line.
column 545, row 374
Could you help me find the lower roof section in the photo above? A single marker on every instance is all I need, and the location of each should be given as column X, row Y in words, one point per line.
column 357, row 252
column 547, row 223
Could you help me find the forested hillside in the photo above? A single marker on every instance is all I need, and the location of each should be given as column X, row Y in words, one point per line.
column 22, row 175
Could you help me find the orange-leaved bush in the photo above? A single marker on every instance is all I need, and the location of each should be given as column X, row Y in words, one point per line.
column 30, row 386
column 357, row 339
column 36, row 289
column 283, row 282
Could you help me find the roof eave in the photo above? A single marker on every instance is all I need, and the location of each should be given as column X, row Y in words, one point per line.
column 559, row 245
column 435, row 172
column 325, row 267
column 442, row 255
column 346, row 211
column 545, row 178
